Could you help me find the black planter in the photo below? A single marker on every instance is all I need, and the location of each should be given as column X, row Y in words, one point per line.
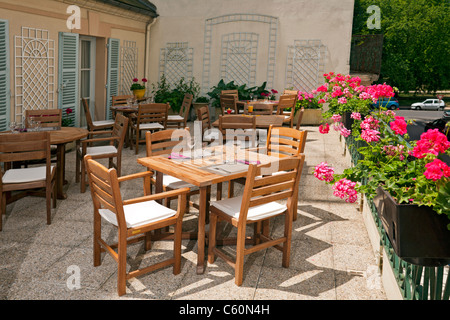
column 347, row 120
column 417, row 233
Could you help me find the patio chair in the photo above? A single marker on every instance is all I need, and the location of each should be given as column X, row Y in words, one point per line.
column 26, row 146
column 209, row 134
column 181, row 119
column 134, row 219
column 300, row 117
column 113, row 149
column 258, row 204
column 121, row 100
column 235, row 92
column 95, row 125
column 286, row 106
column 259, row 109
column 228, row 101
column 290, row 92
column 166, row 142
column 151, row 117
column 49, row 119
column 240, row 129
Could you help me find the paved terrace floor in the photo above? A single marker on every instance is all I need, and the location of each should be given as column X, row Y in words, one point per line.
column 331, row 259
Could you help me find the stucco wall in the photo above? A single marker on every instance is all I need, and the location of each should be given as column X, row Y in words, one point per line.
column 184, row 21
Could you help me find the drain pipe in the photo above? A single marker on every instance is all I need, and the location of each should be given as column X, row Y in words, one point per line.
column 147, row 44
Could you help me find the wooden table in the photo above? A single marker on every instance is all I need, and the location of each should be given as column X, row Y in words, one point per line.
column 262, row 121
column 60, row 138
column 199, row 172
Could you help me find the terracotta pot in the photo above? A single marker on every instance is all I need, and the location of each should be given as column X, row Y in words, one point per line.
column 417, row 233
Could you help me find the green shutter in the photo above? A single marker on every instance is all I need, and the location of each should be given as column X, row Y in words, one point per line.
column 68, row 76
column 5, row 104
column 112, row 85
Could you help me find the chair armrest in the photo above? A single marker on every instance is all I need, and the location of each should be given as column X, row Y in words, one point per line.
column 158, row 196
column 85, row 141
column 100, row 132
column 143, row 174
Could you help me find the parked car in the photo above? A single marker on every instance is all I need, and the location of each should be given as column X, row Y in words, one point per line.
column 389, row 103
column 440, row 124
column 429, row 104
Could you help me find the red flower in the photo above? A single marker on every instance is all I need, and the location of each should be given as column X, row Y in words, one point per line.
column 69, row 111
column 144, row 80
column 399, row 125
column 324, row 129
column 433, row 142
column 135, row 80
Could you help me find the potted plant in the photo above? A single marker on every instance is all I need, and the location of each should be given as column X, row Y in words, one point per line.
column 409, row 183
column 138, row 89
column 312, row 114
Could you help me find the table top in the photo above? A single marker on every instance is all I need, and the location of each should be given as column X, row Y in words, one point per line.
column 218, row 164
column 124, row 108
column 262, row 121
column 67, row 134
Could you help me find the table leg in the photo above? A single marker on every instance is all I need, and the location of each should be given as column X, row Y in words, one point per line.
column 203, row 210
column 60, row 164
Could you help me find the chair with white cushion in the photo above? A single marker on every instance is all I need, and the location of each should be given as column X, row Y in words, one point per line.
column 134, row 219
column 25, row 147
column 111, row 147
column 209, row 134
column 286, row 108
column 180, row 120
column 95, row 125
column 259, row 202
column 151, row 117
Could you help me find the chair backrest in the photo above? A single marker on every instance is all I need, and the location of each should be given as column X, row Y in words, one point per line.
column 290, row 92
column 186, row 105
column 228, row 101
column 153, row 112
column 24, row 147
column 283, row 141
column 119, row 130
column 263, row 186
column 232, row 92
column 259, row 108
column 166, row 141
column 87, row 113
column 203, row 116
column 238, row 127
column 105, row 190
column 121, row 100
column 287, row 101
column 48, row 118
column 300, row 117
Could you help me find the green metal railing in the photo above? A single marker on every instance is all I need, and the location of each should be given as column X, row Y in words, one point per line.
column 415, row 282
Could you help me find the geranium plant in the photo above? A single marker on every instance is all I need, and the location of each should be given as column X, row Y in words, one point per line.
column 136, row 85
column 412, row 173
column 307, row 100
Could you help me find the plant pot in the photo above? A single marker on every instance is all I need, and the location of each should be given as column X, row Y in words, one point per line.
column 347, row 120
column 139, row 93
column 311, row 117
column 417, row 233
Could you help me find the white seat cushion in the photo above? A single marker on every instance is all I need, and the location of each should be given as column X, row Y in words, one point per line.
column 103, row 122
column 174, row 117
column 138, row 214
column 232, row 207
column 25, row 174
column 175, row 183
column 151, row 125
column 100, row 150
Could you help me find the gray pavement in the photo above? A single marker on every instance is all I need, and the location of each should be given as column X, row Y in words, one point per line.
column 332, row 258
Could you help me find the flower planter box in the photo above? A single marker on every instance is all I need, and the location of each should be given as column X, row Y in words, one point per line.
column 310, row 117
column 417, row 233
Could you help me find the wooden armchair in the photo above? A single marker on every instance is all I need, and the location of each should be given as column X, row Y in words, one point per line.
column 257, row 205
column 95, row 125
column 26, row 146
column 49, row 119
column 286, row 107
column 181, row 119
column 208, row 133
column 228, row 101
column 134, row 219
column 239, row 129
column 151, row 117
column 113, row 149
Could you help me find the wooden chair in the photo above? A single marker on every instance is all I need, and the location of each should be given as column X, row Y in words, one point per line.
column 290, row 92
column 151, row 117
column 258, row 204
column 228, row 101
column 121, row 100
column 259, row 109
column 209, row 134
column 113, row 149
column 181, row 119
column 300, row 117
column 95, row 125
column 240, row 104
column 49, row 119
column 166, row 142
column 26, row 146
column 240, row 128
column 132, row 217
column 233, row 92
column 287, row 101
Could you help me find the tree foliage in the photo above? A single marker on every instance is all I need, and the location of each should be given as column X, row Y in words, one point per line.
column 416, row 47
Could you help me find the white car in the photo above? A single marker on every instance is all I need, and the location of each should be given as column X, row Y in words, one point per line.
column 429, row 104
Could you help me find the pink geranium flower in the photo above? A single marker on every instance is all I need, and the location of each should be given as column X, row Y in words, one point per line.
column 345, row 189
column 324, row 129
column 370, row 123
column 370, row 135
column 433, row 142
column 324, row 172
column 336, row 117
column 345, row 132
column 356, row 116
column 399, row 125
column 436, row 170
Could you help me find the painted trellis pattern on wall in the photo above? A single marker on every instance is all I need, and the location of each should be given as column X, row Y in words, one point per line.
column 176, row 62
column 34, row 71
column 128, row 65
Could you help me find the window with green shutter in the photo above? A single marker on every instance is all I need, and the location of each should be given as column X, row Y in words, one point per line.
column 68, row 76
column 4, row 75
column 112, row 85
